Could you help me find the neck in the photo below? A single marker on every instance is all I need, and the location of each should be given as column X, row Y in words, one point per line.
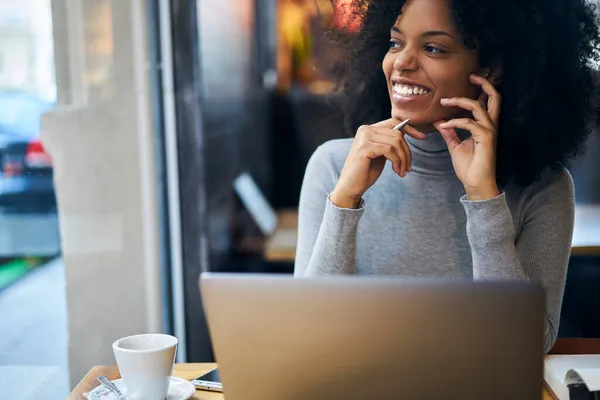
column 431, row 156
column 426, row 128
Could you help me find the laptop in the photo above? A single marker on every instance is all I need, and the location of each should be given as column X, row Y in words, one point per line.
column 279, row 337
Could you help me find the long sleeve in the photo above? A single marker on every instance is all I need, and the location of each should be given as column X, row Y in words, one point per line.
column 539, row 252
column 326, row 234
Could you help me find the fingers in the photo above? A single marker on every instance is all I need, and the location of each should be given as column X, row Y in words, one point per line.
column 397, row 142
column 408, row 155
column 483, row 98
column 479, row 133
column 396, row 139
column 380, row 142
column 413, row 132
column 375, row 150
column 493, row 97
column 480, row 114
column 449, row 134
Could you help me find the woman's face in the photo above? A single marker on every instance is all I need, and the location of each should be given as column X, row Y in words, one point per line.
column 427, row 61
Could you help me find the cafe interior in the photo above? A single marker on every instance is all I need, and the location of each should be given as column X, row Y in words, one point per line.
column 179, row 146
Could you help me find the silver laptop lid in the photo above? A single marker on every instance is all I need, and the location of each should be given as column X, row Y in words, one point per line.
column 278, row 337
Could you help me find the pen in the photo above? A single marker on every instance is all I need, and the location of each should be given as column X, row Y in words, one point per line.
column 401, row 125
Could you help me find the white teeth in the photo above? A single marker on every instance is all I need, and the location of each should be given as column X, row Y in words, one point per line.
column 409, row 90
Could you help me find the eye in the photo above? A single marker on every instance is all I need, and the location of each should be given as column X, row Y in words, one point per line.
column 434, row 50
column 395, row 44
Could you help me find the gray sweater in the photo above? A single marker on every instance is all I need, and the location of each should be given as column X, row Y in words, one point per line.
column 424, row 226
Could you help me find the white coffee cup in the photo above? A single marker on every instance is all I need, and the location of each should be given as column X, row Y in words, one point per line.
column 146, row 364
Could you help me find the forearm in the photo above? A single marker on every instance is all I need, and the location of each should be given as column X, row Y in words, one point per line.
column 540, row 253
column 334, row 252
column 491, row 235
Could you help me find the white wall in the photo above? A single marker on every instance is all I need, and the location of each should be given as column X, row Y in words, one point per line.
column 102, row 147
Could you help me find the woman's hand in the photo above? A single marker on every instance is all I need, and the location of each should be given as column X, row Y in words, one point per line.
column 474, row 159
column 372, row 146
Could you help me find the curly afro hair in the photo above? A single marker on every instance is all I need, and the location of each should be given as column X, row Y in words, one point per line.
column 548, row 49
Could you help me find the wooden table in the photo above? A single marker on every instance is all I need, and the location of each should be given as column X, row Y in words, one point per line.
column 185, row 371
column 281, row 247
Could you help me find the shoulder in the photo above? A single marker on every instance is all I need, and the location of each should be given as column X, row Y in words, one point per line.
column 547, row 202
column 324, row 169
column 552, row 194
column 332, row 153
column 549, row 183
column 553, row 184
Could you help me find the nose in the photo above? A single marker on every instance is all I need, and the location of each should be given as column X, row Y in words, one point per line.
column 406, row 60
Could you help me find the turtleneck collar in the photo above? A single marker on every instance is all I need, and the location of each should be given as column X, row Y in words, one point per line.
column 431, row 156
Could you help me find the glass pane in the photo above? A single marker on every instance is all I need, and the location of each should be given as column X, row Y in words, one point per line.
column 33, row 314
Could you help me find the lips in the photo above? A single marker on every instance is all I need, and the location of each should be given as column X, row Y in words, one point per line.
column 407, row 82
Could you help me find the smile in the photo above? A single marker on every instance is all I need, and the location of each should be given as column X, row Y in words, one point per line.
column 404, row 90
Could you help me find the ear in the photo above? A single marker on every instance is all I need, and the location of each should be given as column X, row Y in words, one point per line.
column 494, row 74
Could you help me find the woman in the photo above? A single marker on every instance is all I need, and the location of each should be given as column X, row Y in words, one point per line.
column 475, row 186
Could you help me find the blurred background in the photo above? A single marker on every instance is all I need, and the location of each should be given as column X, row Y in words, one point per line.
column 145, row 141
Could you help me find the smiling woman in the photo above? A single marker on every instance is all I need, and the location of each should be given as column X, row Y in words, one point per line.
column 475, row 186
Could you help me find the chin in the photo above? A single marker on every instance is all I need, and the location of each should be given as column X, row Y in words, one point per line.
column 417, row 119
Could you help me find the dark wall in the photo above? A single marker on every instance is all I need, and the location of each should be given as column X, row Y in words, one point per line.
column 222, row 119
column 302, row 121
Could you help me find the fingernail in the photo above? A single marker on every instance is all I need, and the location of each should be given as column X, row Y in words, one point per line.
column 444, row 125
column 445, row 100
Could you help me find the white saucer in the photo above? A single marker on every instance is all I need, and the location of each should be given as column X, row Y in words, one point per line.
column 179, row 389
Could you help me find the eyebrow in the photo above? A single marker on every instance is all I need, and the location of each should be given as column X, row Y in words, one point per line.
column 428, row 33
